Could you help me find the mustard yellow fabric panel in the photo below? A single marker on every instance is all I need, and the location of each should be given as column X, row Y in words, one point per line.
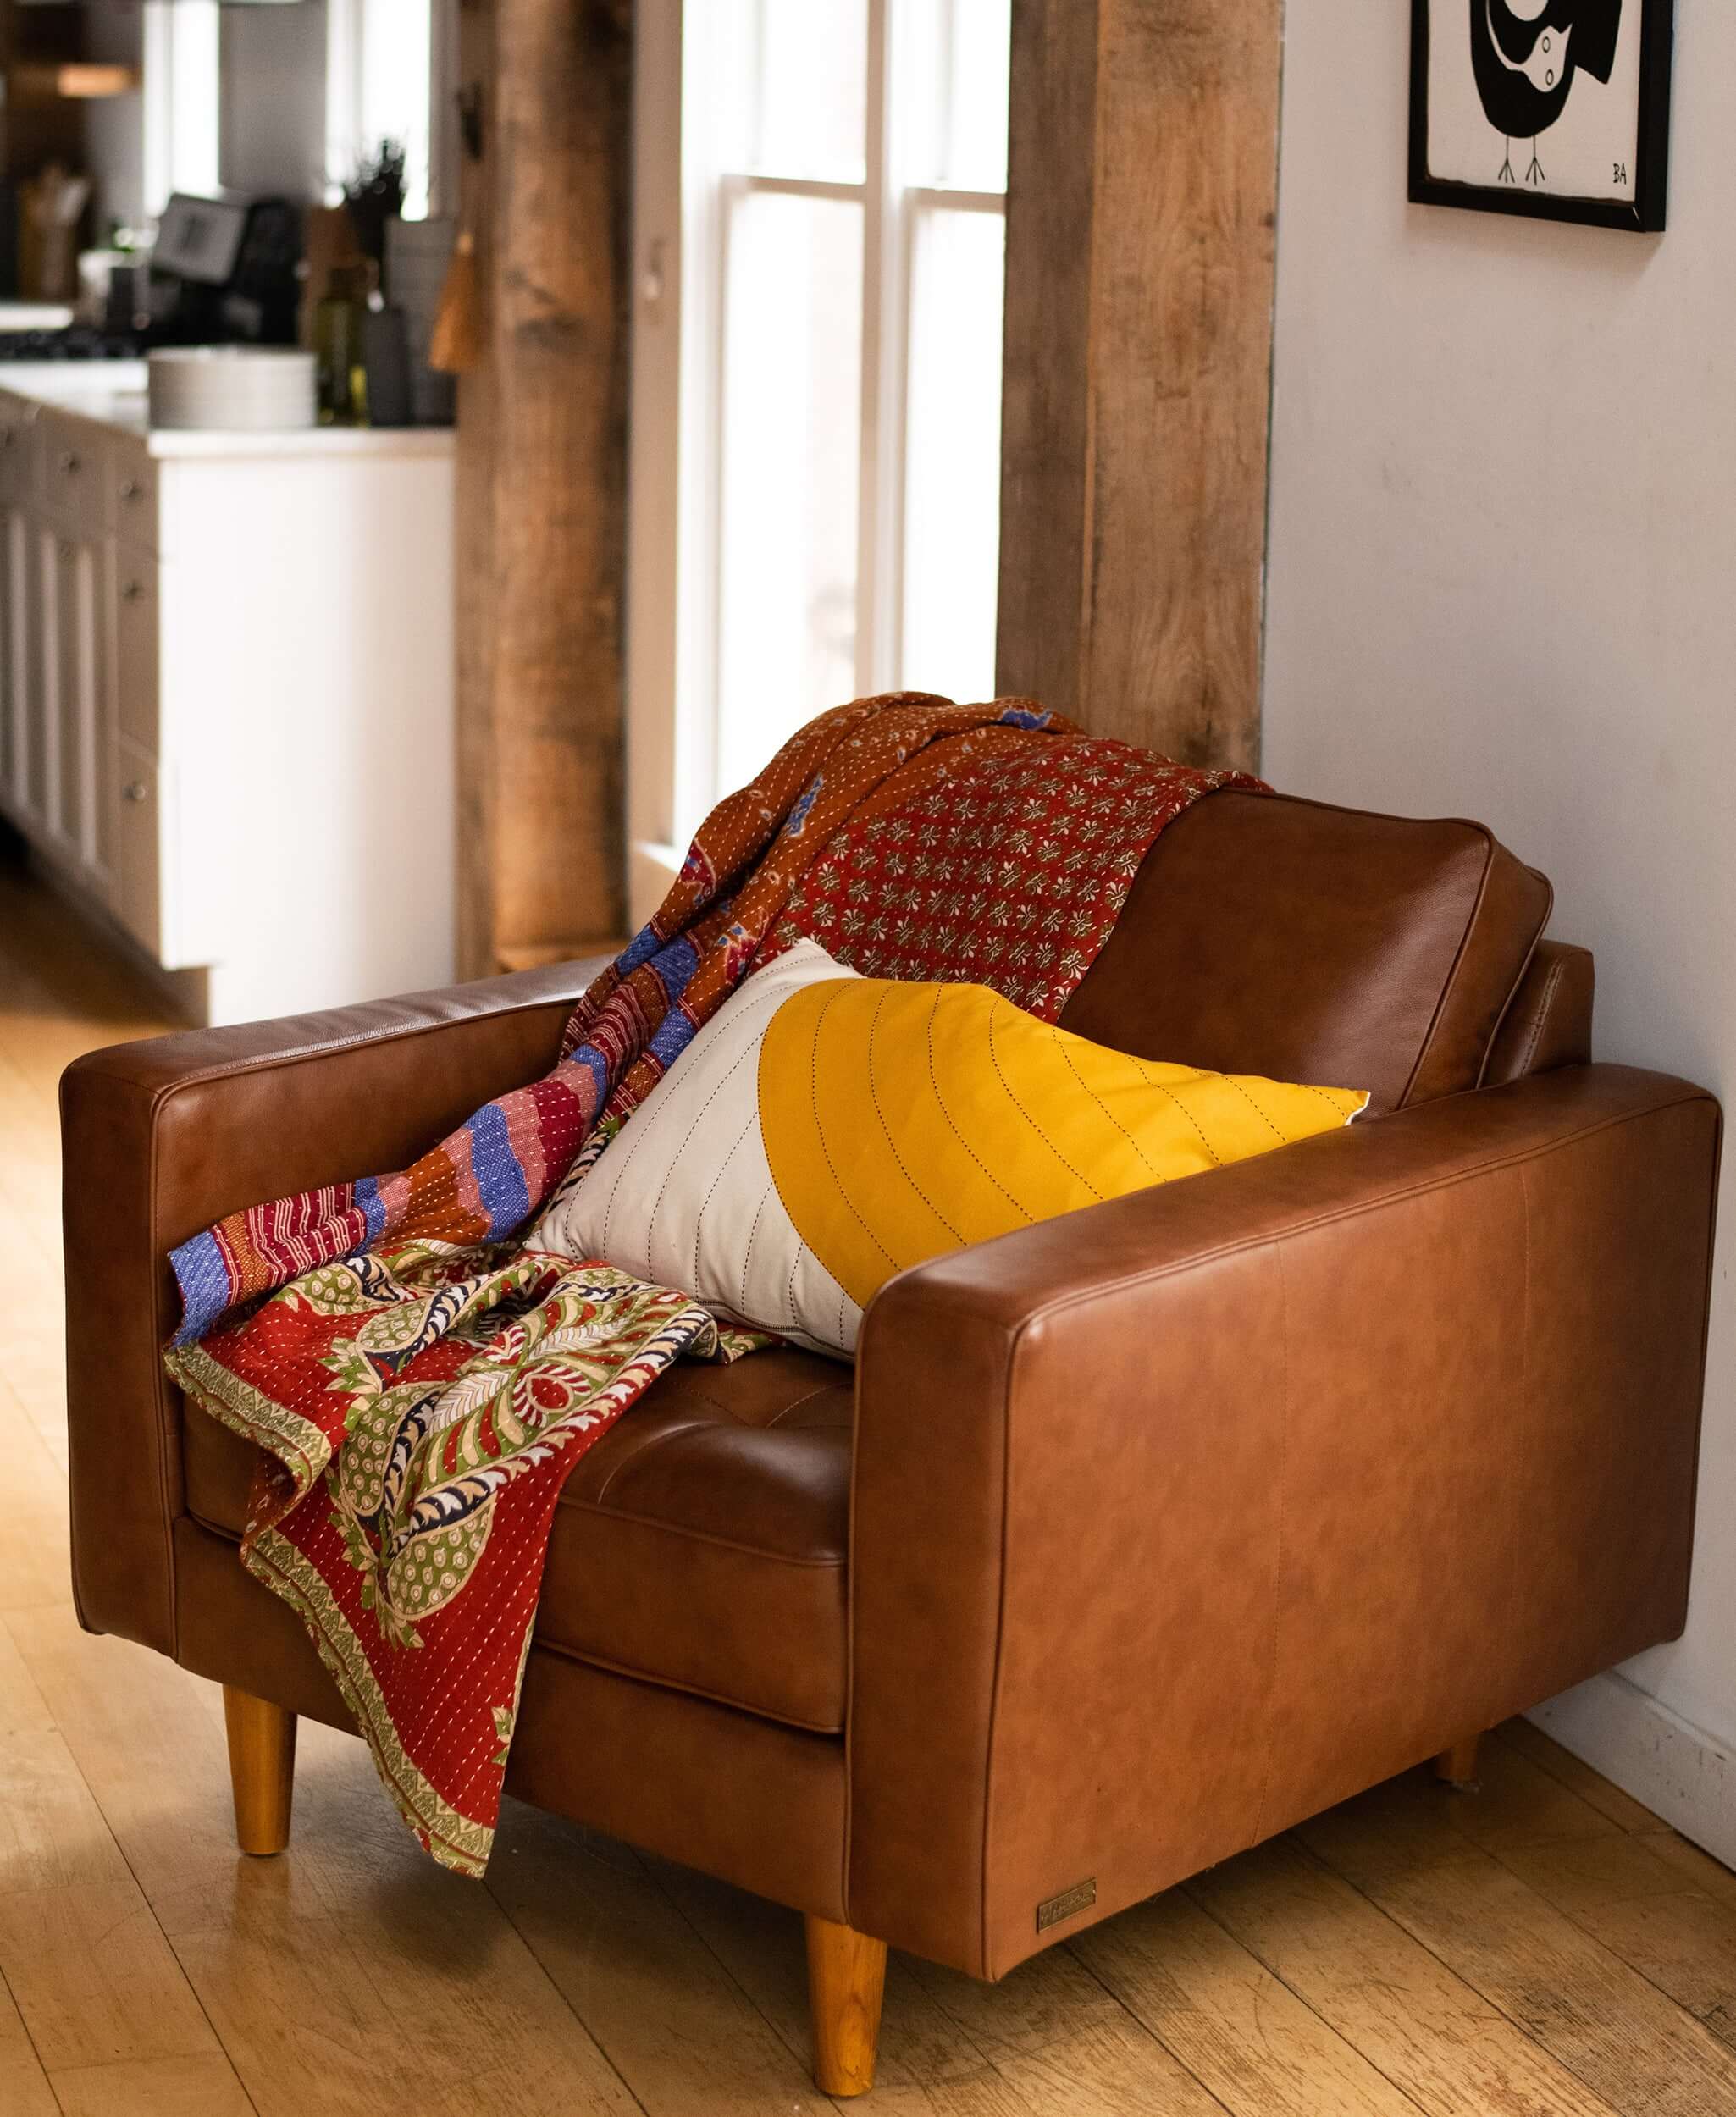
column 901, row 1120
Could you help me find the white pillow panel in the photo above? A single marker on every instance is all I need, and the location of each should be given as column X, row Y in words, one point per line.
column 684, row 1196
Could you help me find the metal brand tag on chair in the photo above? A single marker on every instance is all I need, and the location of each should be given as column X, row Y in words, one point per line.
column 1052, row 1909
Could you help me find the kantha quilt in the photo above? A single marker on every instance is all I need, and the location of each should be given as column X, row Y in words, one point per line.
column 421, row 1382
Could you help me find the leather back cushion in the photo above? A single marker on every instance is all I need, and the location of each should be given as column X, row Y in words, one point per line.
column 1272, row 935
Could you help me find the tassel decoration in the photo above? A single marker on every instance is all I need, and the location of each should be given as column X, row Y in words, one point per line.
column 455, row 345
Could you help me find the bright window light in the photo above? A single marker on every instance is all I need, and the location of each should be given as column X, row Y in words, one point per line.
column 379, row 86
column 181, row 99
column 828, row 235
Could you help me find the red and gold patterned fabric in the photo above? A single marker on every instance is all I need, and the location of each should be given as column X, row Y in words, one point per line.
column 422, row 1384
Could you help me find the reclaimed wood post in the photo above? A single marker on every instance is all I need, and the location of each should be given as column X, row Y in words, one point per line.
column 542, row 483
column 1140, row 217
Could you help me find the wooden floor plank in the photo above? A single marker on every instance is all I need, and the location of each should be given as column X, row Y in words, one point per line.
column 1708, row 1874
column 1648, row 1912
column 1516, row 1802
column 1426, row 2030
column 1413, row 1821
column 152, row 2088
column 38, row 1568
column 63, row 991
column 1658, row 1905
column 148, row 1737
column 93, row 1978
column 24, row 2086
column 35, row 1330
column 678, row 2029
column 1621, row 1809
column 352, row 1958
column 1261, row 2050
column 927, row 2066
column 1056, row 2034
column 1608, row 2025
column 411, row 1978
column 62, row 973
column 52, row 1832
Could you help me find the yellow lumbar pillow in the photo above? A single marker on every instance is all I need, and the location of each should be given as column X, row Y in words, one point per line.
column 902, row 1120
column 822, row 1131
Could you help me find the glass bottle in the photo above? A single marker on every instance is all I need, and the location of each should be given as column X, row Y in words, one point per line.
column 337, row 347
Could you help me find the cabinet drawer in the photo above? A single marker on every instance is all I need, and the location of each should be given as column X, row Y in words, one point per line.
column 135, row 590
column 132, row 494
column 75, row 471
column 137, row 864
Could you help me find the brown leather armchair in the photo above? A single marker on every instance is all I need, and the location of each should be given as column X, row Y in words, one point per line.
column 1133, row 1538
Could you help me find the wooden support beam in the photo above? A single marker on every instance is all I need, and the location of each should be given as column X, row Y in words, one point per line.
column 542, row 483
column 1140, row 217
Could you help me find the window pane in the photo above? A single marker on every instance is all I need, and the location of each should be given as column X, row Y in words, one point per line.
column 180, row 99
column 396, row 39
column 951, row 479
column 790, row 446
column 952, row 92
column 812, row 88
column 976, row 157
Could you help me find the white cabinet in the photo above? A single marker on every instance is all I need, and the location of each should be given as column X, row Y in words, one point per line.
column 14, row 734
column 137, row 866
column 57, row 644
column 33, row 617
column 135, row 643
column 76, row 683
column 226, row 694
column 51, row 660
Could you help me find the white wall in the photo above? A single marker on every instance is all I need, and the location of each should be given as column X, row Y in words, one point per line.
column 272, row 119
column 114, row 130
column 272, row 130
column 1503, row 584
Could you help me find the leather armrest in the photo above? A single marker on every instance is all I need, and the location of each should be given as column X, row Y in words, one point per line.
column 1180, row 1518
column 164, row 1137
column 1548, row 1021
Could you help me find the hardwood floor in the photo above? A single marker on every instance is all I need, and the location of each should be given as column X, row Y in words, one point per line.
column 1544, row 1948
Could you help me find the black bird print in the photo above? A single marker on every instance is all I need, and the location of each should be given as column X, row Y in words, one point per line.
column 1526, row 58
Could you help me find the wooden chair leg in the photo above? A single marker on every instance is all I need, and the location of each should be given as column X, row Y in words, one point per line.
column 262, row 1767
column 1457, row 1767
column 846, row 1979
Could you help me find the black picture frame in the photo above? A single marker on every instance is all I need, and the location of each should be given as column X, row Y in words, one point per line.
column 1648, row 213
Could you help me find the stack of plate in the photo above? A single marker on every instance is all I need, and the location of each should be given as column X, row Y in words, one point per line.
column 417, row 254
column 242, row 388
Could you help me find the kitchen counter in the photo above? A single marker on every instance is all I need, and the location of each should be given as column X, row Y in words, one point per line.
column 112, row 394
column 226, row 682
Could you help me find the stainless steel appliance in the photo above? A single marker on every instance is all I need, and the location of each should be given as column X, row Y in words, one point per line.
column 222, row 272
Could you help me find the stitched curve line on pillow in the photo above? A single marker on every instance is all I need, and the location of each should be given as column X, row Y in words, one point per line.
column 685, row 1192
column 825, row 1130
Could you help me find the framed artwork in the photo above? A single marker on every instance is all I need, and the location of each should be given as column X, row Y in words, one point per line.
column 1555, row 108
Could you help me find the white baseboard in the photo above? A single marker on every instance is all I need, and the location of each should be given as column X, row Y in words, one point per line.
column 1680, row 1772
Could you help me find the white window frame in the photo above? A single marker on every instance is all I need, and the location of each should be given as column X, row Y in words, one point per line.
column 352, row 127
column 672, row 666
column 182, row 100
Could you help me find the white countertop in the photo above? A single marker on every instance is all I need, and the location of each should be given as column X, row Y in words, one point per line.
column 112, row 393
column 34, row 316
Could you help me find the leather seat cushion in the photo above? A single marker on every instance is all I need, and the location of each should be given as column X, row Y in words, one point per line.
column 701, row 1545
